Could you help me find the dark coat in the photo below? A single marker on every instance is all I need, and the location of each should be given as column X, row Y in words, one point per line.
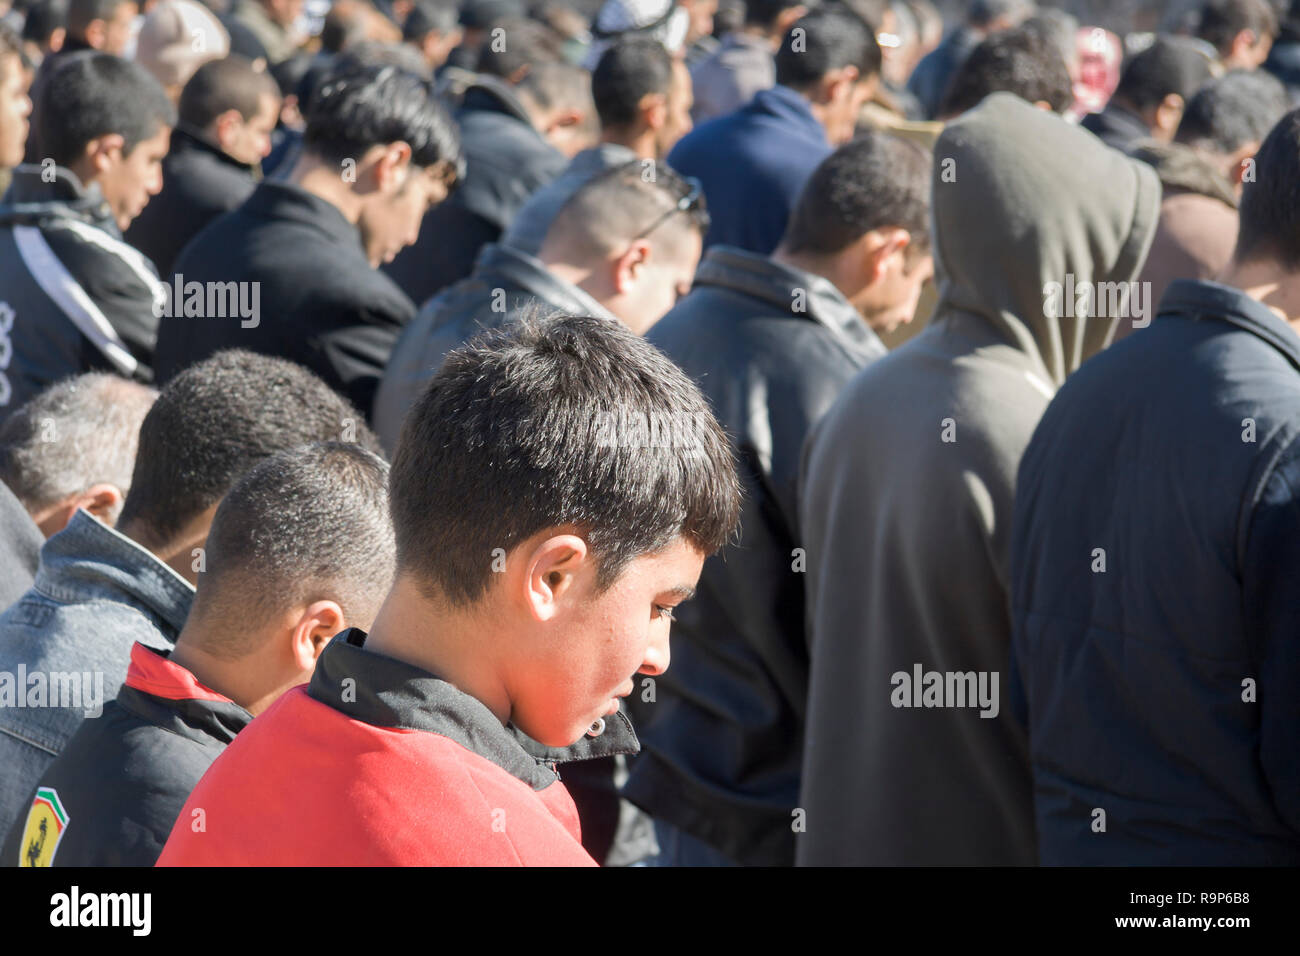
column 753, row 164
column 1115, row 126
column 1134, row 679
column 200, row 182
column 930, row 78
column 506, row 160
column 124, row 776
column 468, row 308
column 73, row 296
column 320, row 302
column 770, row 346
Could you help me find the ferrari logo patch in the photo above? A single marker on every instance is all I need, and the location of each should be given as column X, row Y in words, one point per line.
column 46, row 822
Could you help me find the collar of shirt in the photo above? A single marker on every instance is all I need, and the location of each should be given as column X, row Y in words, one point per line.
column 88, row 561
column 534, row 278
column 386, row 692
column 169, row 696
column 1195, row 298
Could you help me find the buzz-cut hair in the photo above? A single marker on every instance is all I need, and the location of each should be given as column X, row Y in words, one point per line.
column 556, row 422
column 639, row 198
column 306, row 524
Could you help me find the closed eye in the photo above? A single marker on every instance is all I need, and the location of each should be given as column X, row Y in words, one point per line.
column 665, row 611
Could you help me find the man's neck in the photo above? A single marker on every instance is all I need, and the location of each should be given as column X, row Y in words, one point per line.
column 825, row 267
column 325, row 181
column 245, row 680
column 639, row 141
column 457, row 647
column 1270, row 285
column 182, row 552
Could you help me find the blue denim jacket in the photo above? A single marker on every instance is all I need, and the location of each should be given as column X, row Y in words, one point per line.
column 65, row 645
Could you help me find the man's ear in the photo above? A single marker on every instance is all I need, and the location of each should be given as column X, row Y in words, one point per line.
column 1241, row 161
column 1169, row 113
column 654, row 110
column 103, row 151
column 551, row 572
column 226, row 127
column 95, row 32
column 837, row 85
column 1243, row 43
column 630, row 265
column 315, row 627
column 880, row 246
column 392, row 167
column 102, row 500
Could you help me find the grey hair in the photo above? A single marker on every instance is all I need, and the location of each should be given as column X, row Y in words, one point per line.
column 77, row 433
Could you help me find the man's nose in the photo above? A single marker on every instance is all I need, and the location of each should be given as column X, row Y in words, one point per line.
column 657, row 656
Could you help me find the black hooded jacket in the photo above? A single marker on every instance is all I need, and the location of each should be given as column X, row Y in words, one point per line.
column 73, row 296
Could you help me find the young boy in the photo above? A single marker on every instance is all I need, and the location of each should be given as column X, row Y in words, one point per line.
column 554, row 492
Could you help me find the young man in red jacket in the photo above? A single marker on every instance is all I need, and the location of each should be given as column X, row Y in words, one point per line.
column 554, row 492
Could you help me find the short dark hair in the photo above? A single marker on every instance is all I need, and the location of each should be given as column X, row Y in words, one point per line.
column 823, row 41
column 82, row 13
column 430, row 16
column 306, row 524
column 1022, row 61
column 542, row 424
column 43, row 19
column 1222, row 20
column 763, row 13
column 632, row 68
column 221, row 85
column 527, row 43
column 1269, row 211
column 984, row 12
column 554, row 85
column 621, row 203
column 355, row 109
column 89, row 95
column 218, row 418
column 1233, row 110
column 1170, row 65
column 874, row 181
column 870, row 12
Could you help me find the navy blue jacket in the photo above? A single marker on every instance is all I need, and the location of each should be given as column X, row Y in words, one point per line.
column 1156, row 642
column 753, row 164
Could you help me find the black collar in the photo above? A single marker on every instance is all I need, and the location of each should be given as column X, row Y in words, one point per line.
column 1199, row 299
column 386, row 692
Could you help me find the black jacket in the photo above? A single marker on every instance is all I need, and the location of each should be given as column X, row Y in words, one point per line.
column 112, row 796
column 506, row 160
column 320, row 303
column 451, row 319
column 200, row 182
column 771, row 347
column 1116, row 126
column 1154, row 550
column 73, row 296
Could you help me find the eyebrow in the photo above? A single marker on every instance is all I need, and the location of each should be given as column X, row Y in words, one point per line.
column 686, row 593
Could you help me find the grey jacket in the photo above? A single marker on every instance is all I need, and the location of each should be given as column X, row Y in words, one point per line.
column 65, row 645
column 907, row 491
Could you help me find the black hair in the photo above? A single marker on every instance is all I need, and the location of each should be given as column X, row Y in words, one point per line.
column 870, row 12
column 823, row 41
column 375, row 53
column 222, row 85
column 631, row 69
column 763, row 13
column 1222, row 20
column 355, row 109
column 89, row 95
column 82, row 13
column 553, row 422
column 43, row 19
column 876, row 180
column 430, row 16
column 1233, row 110
column 306, row 524
column 1022, row 61
column 217, row 419
column 513, row 45
column 1269, row 211
column 1171, row 65
column 982, row 13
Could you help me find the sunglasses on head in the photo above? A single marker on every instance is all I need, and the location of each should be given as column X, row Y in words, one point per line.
column 690, row 202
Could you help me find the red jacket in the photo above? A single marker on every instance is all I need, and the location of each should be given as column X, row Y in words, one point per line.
column 377, row 762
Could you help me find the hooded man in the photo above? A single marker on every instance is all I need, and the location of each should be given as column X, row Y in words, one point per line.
column 908, row 483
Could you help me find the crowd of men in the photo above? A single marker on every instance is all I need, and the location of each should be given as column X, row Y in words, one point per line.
column 381, row 382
